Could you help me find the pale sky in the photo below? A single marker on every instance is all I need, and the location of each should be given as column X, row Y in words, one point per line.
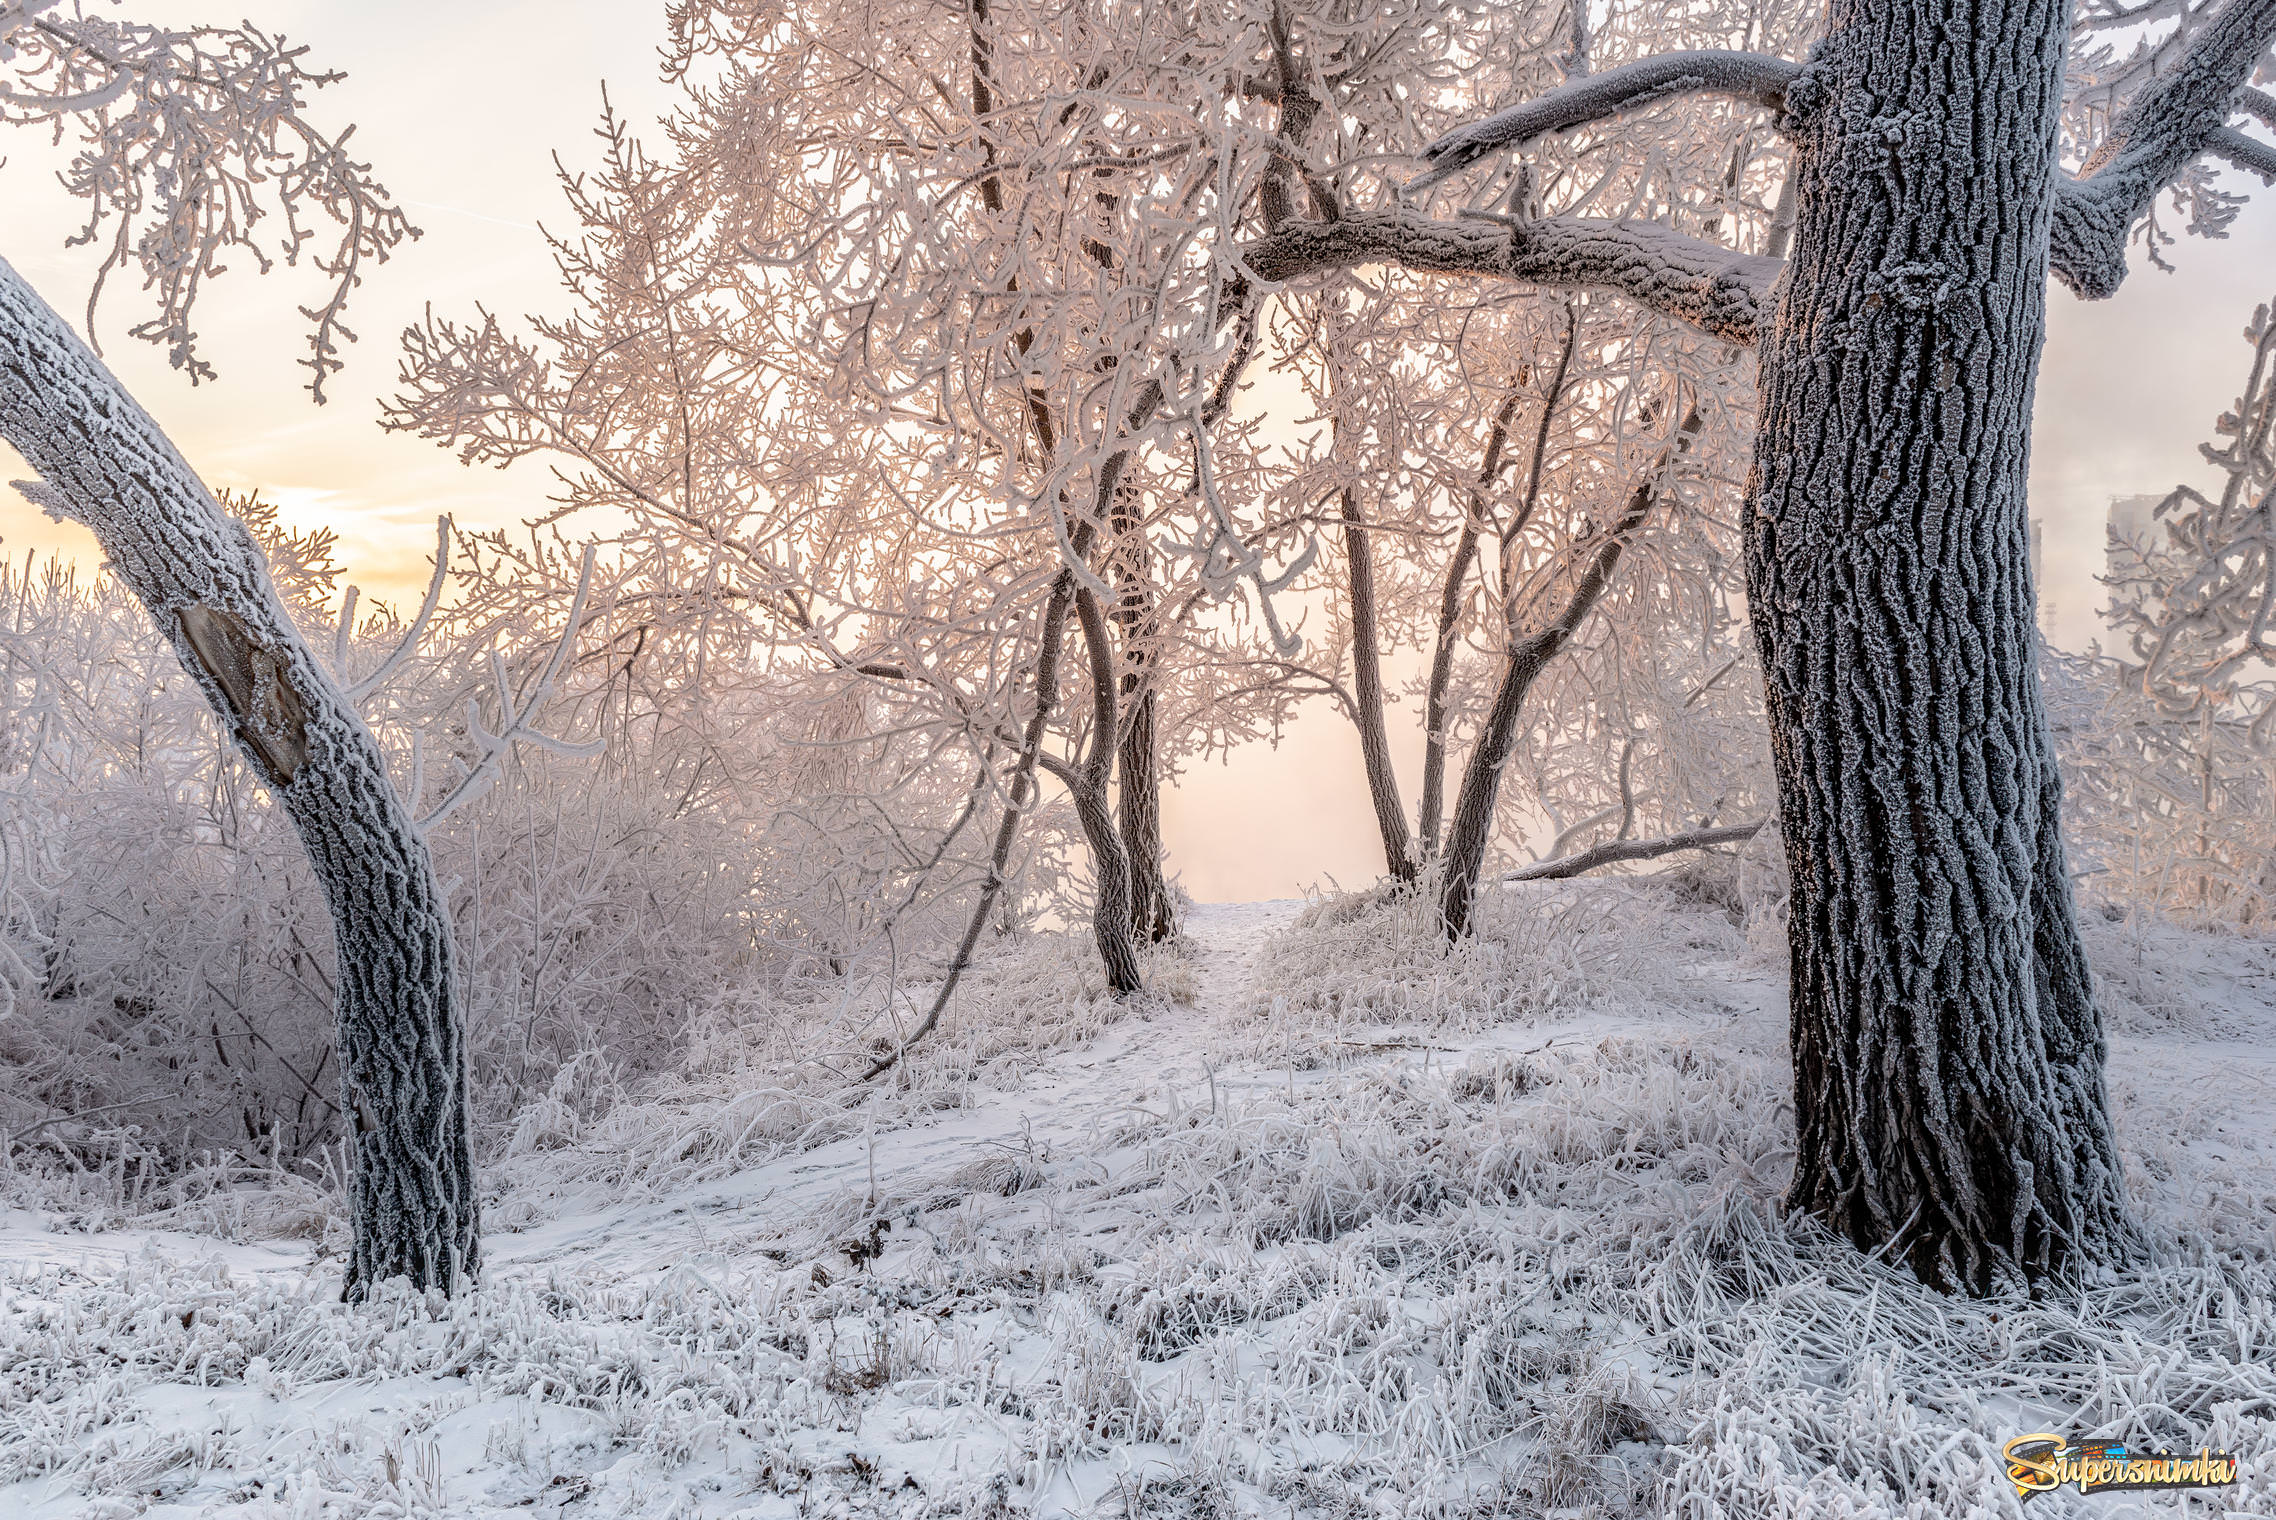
column 461, row 106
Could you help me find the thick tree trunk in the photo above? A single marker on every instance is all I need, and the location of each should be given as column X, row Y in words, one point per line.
column 1367, row 698
column 403, row 1063
column 1948, row 1061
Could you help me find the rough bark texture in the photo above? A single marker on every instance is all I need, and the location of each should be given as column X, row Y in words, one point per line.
column 403, row 1064
column 1367, row 698
column 1948, row 1060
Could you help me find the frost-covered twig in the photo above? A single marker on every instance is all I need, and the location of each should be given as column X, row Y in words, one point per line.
column 413, row 635
column 1752, row 77
column 187, row 139
column 518, row 725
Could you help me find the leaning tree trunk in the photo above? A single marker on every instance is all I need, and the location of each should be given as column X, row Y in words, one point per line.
column 104, row 462
column 1139, row 797
column 1948, row 1062
column 1367, row 698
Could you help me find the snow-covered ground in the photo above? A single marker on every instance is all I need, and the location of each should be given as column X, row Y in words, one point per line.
column 1336, row 1225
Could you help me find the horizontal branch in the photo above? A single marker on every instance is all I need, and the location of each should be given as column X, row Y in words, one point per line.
column 2245, row 152
column 1724, row 294
column 1754, row 77
column 2173, row 119
column 2260, row 103
column 1620, row 850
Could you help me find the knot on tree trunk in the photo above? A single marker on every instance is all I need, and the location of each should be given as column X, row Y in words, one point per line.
column 271, row 719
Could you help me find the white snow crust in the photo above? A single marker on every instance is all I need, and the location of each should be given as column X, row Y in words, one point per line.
column 1336, row 1225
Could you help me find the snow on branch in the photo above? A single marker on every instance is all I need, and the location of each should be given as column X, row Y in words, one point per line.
column 520, row 718
column 185, row 140
column 2245, row 152
column 1754, row 77
column 2171, row 121
column 412, row 636
column 1615, row 851
column 1720, row 292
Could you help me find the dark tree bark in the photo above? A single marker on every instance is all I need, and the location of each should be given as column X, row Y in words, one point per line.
column 1948, row 1057
column 1089, row 784
column 1432, row 810
column 1475, row 804
column 1367, row 698
column 1138, row 798
column 1948, row 1062
column 103, row 461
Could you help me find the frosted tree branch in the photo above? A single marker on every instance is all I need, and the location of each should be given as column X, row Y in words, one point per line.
column 2170, row 122
column 519, row 725
column 1752, row 77
column 2245, row 152
column 1616, row 851
column 187, row 139
column 1722, row 293
column 413, row 635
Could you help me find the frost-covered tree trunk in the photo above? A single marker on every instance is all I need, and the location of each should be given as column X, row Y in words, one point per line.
column 1367, row 697
column 1435, row 716
column 1139, row 803
column 1479, row 799
column 1948, row 1060
column 103, row 461
column 1138, row 799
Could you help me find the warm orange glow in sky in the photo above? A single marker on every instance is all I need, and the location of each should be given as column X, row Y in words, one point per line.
column 461, row 107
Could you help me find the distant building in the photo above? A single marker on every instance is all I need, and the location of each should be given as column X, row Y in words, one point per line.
column 2134, row 531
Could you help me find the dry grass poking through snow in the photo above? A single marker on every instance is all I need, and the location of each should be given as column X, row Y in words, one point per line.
column 1528, row 1263
column 1361, row 972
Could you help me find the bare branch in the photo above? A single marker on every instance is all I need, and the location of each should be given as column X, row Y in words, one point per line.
column 1619, row 850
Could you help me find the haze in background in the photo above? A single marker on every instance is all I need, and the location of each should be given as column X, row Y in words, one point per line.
column 462, row 107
